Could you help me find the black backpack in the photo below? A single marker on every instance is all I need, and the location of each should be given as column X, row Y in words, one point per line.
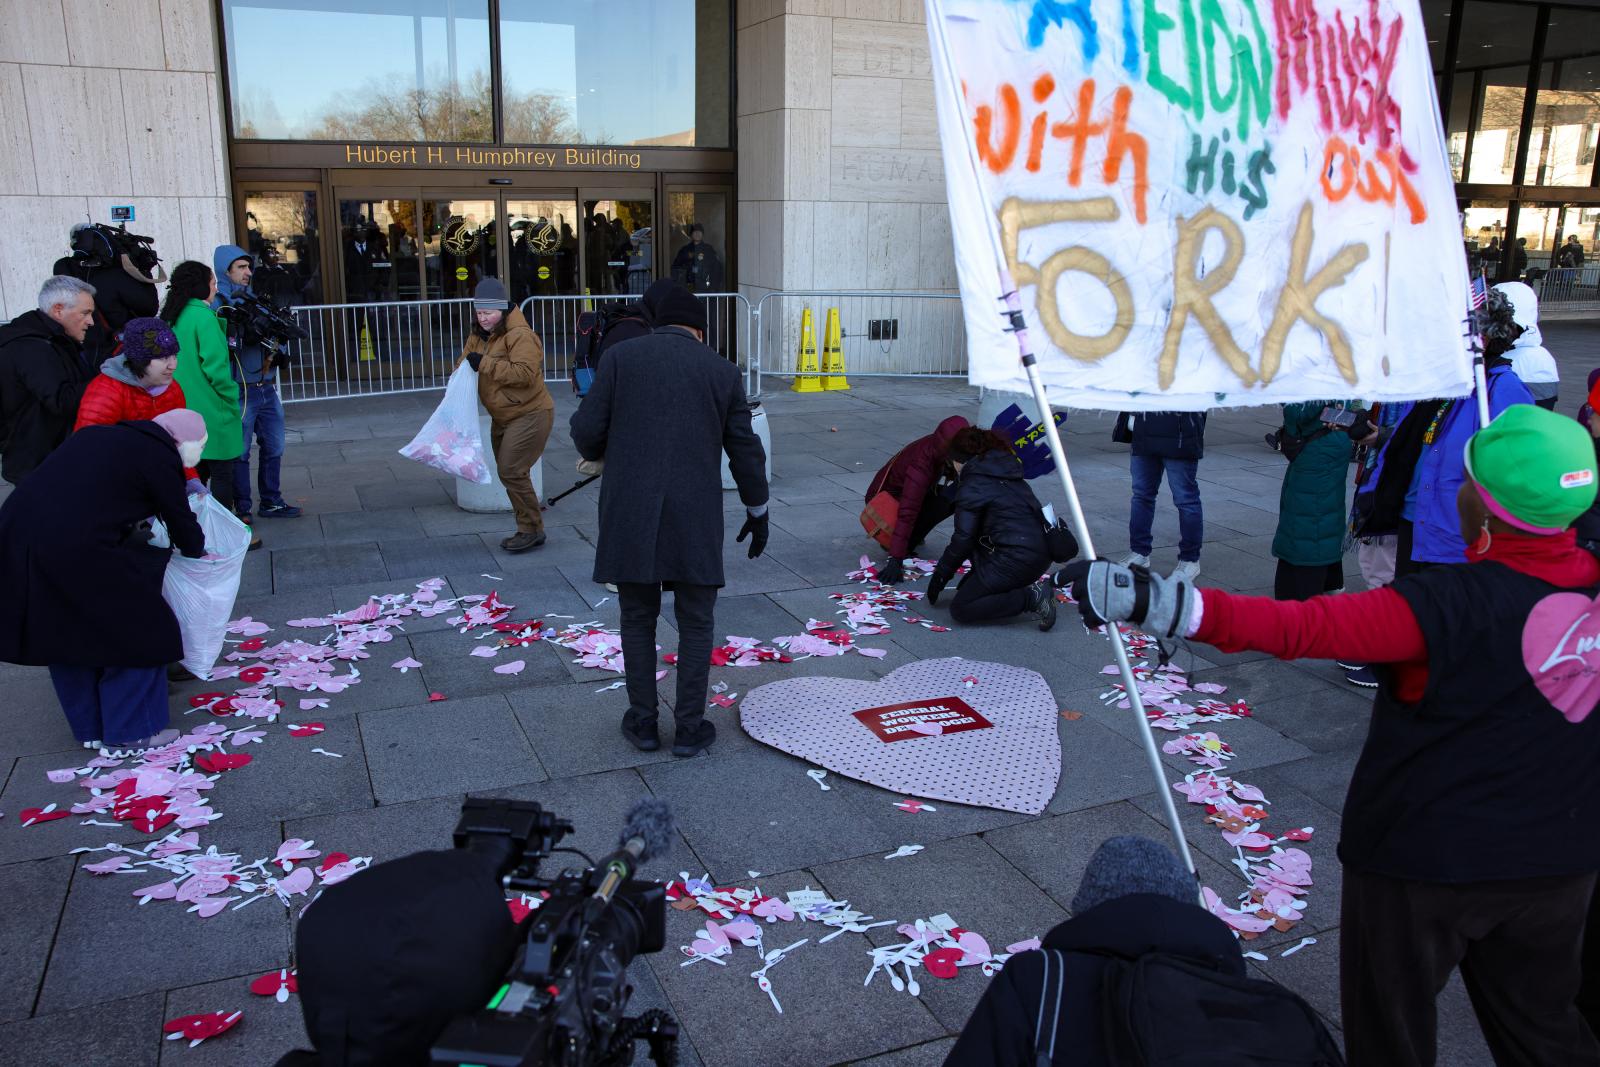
column 1165, row 1011
column 592, row 327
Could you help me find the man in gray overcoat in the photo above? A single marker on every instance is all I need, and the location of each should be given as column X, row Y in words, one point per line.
column 662, row 410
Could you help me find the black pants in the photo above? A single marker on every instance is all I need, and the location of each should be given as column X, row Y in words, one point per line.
column 1589, row 994
column 694, row 607
column 1294, row 582
column 218, row 476
column 937, row 506
column 1518, row 946
column 1405, row 540
column 989, row 593
column 1548, row 403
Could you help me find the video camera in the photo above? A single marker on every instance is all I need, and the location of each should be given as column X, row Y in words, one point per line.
column 253, row 320
column 563, row 998
column 99, row 245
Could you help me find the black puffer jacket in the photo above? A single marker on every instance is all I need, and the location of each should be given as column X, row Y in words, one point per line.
column 1169, row 434
column 998, row 523
column 43, row 374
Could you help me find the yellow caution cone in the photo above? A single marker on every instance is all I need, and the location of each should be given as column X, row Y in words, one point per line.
column 366, row 355
column 806, row 379
column 833, row 353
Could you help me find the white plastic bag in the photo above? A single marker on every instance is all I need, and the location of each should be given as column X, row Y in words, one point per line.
column 449, row 440
column 201, row 591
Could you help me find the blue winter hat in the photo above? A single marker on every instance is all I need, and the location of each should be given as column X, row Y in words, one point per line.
column 146, row 339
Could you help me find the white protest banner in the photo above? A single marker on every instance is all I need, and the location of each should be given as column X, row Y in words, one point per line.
column 1203, row 203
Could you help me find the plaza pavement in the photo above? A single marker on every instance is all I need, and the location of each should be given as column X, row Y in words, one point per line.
column 87, row 976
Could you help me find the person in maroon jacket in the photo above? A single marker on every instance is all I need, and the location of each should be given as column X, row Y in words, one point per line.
column 913, row 478
column 1469, row 833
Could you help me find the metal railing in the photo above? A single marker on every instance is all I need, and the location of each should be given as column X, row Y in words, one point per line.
column 884, row 334
column 1569, row 289
column 413, row 345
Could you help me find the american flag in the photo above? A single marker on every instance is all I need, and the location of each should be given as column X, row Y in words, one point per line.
column 1480, row 291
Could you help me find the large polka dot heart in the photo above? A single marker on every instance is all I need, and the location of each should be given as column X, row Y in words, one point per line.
column 944, row 729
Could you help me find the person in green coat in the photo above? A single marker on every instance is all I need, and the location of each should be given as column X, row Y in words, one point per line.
column 204, row 373
column 1309, row 544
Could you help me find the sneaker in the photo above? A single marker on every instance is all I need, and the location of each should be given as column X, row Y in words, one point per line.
column 644, row 738
column 522, row 542
column 1188, row 570
column 697, row 742
column 255, row 541
column 140, row 746
column 1343, row 666
column 280, row 510
column 1365, row 677
column 91, row 744
column 1043, row 604
column 1136, row 559
column 611, row 587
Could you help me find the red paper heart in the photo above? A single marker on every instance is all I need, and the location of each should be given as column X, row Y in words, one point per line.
column 252, row 675
column 148, row 824
column 217, row 762
column 941, row 962
column 222, row 707
column 268, row 984
column 306, row 729
column 519, row 910
column 331, row 859
column 200, row 700
column 32, row 815
column 1299, row 835
column 435, row 696
column 200, row 1027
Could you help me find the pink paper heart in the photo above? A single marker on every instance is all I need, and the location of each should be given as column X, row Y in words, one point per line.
column 296, row 883
column 295, row 849
column 62, row 776
column 514, row 667
column 106, row 866
column 484, row 651
column 404, row 665
column 209, row 906
column 1561, row 649
column 772, row 909
column 974, row 948
column 160, row 891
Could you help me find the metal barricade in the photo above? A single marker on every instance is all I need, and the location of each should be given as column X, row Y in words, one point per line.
column 884, row 334
column 413, row 345
column 371, row 349
column 1570, row 289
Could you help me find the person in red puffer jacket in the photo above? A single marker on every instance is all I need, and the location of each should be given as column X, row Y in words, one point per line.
column 915, row 476
column 136, row 384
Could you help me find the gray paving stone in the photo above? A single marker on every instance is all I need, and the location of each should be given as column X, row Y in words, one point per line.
column 125, row 1032
column 1328, row 722
column 929, row 1054
column 481, row 746
column 1324, row 776
column 257, row 574
column 35, row 723
column 267, row 1031
column 229, row 943
column 303, row 531
column 436, row 555
column 287, row 780
column 563, row 545
column 575, row 730
column 449, row 667
column 1098, row 765
column 734, row 1024
column 277, row 609
column 1271, row 681
column 1254, row 743
column 315, row 568
column 28, row 787
column 403, row 494
column 384, row 833
column 359, row 527
column 37, row 891
column 995, row 898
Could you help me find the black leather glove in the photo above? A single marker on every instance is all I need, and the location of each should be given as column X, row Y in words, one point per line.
column 891, row 571
column 936, row 584
column 756, row 527
column 1106, row 591
column 473, row 359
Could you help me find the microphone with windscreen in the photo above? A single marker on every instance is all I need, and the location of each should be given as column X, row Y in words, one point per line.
column 646, row 835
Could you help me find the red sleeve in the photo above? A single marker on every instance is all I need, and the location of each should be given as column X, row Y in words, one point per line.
column 1372, row 627
column 101, row 404
column 919, row 476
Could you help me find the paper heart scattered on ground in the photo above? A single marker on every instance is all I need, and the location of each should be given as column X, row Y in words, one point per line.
column 514, row 667
column 198, row 1028
column 306, row 729
column 276, row 984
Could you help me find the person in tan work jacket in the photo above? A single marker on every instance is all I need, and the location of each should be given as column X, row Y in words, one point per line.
column 509, row 359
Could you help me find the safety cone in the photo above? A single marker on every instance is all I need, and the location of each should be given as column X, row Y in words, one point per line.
column 366, row 355
column 806, row 379
column 833, row 353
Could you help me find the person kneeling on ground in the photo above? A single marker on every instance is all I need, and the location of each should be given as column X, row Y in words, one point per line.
column 1468, row 835
column 999, row 526
column 509, row 359
column 1135, row 932
column 916, row 479
column 74, row 547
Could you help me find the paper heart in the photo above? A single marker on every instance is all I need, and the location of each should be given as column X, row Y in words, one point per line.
column 520, row 909
column 252, row 675
column 160, row 891
column 1561, row 649
column 206, row 907
column 255, row 644
column 196, row 1028
column 741, row 928
column 941, row 962
column 217, row 762
column 307, row 729
column 1013, row 763
column 297, row 882
column 404, row 665
column 514, row 667
column 107, row 866
column 974, row 948
column 434, row 698
column 200, row 700
column 295, row 849
column 332, row 859
column 772, row 909
column 278, row 984
column 484, row 651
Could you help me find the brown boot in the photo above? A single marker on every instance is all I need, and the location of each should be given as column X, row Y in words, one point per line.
column 522, row 542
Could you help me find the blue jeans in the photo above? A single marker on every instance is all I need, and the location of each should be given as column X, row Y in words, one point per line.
column 1147, row 471
column 263, row 421
column 112, row 704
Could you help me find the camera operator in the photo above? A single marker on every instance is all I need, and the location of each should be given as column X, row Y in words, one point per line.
column 256, row 373
column 124, row 270
column 44, row 371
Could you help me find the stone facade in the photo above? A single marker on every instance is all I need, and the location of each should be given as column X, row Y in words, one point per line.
column 106, row 102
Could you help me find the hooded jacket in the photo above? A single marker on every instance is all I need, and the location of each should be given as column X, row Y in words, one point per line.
column 249, row 360
column 999, row 525
column 1529, row 358
column 910, row 475
column 118, row 395
column 1311, row 515
column 43, row 374
column 204, row 371
column 1169, row 434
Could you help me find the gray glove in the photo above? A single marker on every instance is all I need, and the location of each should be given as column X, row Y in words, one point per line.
column 1106, row 591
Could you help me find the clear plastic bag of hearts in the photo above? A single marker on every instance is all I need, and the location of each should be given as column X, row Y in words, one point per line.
column 449, row 441
column 201, row 591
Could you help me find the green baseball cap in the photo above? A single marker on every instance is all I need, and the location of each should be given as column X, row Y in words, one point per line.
column 1534, row 468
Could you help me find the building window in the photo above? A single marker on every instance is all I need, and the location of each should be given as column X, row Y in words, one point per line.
column 350, row 70
column 1562, row 141
column 624, row 72
column 1496, row 46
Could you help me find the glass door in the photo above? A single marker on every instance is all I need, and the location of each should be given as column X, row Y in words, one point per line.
column 378, row 245
column 619, row 242
column 698, row 243
column 542, row 232
column 463, row 243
